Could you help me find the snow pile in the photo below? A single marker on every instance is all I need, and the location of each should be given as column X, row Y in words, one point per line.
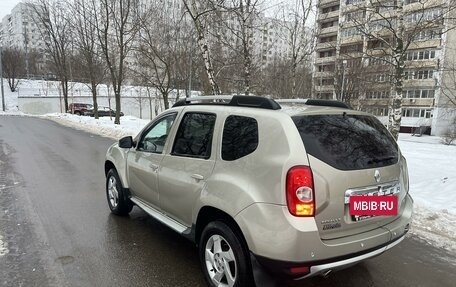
column 3, row 247
column 104, row 126
column 432, row 172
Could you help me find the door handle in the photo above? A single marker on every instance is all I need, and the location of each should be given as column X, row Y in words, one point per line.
column 154, row 167
column 198, row 177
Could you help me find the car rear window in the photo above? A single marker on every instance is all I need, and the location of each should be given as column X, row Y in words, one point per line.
column 347, row 142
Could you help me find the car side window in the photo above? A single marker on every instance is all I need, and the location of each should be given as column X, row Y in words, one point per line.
column 194, row 136
column 240, row 137
column 154, row 139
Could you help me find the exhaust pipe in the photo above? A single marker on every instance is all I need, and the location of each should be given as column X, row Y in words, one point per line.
column 407, row 228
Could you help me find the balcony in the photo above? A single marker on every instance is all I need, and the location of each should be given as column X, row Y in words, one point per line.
column 419, row 83
column 375, row 102
column 351, row 40
column 425, row 44
column 433, row 63
column 427, row 102
column 324, row 88
column 329, row 30
column 329, row 15
column 420, row 6
column 325, row 60
column 326, row 2
column 321, row 75
column 326, row 45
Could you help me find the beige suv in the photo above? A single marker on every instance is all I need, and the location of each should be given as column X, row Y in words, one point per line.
column 263, row 189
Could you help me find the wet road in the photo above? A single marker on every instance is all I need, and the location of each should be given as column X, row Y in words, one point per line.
column 56, row 228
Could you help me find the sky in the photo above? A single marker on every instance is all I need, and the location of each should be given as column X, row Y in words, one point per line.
column 6, row 6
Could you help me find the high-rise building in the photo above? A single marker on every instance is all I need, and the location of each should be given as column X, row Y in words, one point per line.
column 21, row 30
column 350, row 65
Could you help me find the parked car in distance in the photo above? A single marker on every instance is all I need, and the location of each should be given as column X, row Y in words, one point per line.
column 79, row 108
column 264, row 190
column 102, row 112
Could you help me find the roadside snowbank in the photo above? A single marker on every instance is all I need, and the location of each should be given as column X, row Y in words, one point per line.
column 104, row 126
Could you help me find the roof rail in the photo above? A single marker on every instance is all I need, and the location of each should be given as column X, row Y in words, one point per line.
column 236, row 101
column 315, row 102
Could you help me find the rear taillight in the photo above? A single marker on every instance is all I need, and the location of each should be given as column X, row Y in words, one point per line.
column 300, row 191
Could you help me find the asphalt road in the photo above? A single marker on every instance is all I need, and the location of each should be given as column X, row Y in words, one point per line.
column 59, row 232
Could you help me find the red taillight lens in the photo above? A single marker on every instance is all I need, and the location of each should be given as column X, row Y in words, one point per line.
column 300, row 191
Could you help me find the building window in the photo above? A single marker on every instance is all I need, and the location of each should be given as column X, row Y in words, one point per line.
column 350, row 32
column 419, row 93
column 416, row 113
column 421, row 55
column 422, row 16
column 327, row 54
column 428, row 34
column 418, row 75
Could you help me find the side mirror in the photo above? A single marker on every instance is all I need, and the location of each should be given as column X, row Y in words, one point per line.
column 126, row 142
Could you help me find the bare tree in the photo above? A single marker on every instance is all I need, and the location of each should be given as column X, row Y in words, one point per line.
column 238, row 20
column 13, row 64
column 299, row 35
column 117, row 23
column 92, row 69
column 158, row 50
column 52, row 17
column 394, row 29
column 198, row 13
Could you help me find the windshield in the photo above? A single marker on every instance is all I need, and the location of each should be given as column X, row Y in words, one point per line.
column 347, row 142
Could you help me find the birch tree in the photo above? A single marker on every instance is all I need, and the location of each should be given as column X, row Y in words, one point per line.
column 239, row 20
column 299, row 35
column 198, row 13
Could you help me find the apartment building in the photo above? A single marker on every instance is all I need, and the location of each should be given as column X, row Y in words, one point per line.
column 21, row 31
column 352, row 66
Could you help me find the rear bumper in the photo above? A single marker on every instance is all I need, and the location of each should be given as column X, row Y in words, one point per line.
column 281, row 269
column 291, row 248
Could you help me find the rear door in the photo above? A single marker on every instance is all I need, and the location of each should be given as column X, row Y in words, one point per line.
column 349, row 155
column 184, row 171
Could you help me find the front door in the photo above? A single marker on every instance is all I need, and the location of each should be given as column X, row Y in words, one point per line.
column 144, row 162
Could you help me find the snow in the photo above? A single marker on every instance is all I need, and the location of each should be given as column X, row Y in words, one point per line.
column 104, row 126
column 432, row 172
column 3, row 247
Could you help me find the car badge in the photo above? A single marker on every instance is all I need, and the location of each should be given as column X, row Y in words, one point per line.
column 377, row 175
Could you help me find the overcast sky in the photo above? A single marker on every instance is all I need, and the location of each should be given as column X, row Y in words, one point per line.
column 6, row 6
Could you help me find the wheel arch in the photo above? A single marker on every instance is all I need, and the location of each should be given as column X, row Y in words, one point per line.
column 209, row 214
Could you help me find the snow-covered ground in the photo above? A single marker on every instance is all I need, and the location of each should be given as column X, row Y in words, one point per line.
column 432, row 171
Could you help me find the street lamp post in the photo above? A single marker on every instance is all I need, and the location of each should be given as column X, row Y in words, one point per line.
column 1, row 82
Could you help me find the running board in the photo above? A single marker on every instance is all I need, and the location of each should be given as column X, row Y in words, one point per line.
column 171, row 223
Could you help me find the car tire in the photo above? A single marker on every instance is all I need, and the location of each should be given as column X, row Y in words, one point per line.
column 223, row 257
column 115, row 194
column 78, row 113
